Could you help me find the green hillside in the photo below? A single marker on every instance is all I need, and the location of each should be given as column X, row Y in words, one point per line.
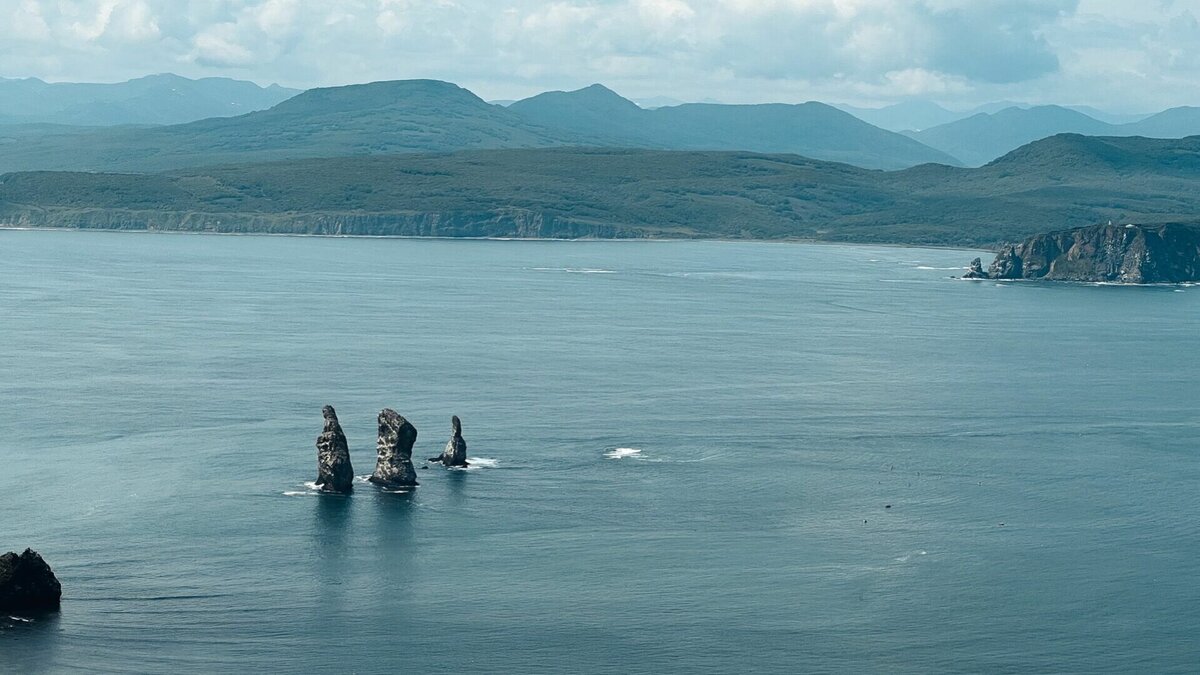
column 1056, row 183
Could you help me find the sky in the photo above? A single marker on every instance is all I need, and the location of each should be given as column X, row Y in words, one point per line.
column 1119, row 55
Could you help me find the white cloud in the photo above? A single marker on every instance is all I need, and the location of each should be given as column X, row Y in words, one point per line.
column 24, row 22
column 1087, row 51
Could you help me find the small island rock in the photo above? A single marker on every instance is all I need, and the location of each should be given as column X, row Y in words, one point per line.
column 27, row 584
column 394, row 467
column 455, row 453
column 334, row 471
column 976, row 270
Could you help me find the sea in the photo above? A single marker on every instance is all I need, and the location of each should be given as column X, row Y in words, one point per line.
column 693, row 457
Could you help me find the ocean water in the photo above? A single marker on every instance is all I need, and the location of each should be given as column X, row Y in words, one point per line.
column 685, row 457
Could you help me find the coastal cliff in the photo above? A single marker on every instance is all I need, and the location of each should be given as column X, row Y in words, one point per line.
column 1127, row 254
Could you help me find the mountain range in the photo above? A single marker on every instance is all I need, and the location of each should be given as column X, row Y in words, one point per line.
column 182, row 122
column 1054, row 183
column 600, row 116
column 155, row 99
column 433, row 116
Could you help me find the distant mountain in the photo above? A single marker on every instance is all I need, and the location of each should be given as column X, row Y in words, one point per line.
column 1172, row 123
column 919, row 114
column 993, row 107
column 432, row 116
column 981, row 138
column 156, row 99
column 912, row 115
column 1106, row 116
column 653, row 102
column 816, row 130
column 1060, row 182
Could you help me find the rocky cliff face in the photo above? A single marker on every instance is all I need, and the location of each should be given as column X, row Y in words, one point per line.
column 517, row 223
column 1130, row 254
column 334, row 471
column 455, row 453
column 27, row 584
column 394, row 467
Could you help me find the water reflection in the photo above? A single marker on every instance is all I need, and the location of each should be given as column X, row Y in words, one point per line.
column 396, row 570
column 333, row 517
column 456, row 481
column 332, row 528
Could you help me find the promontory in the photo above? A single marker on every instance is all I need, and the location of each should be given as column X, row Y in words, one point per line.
column 1166, row 253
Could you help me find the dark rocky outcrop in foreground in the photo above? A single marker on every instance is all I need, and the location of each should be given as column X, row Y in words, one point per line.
column 394, row 467
column 27, row 584
column 455, row 453
column 334, row 471
column 1127, row 254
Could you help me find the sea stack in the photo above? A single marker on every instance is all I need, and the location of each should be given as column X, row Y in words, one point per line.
column 27, row 584
column 394, row 467
column 334, row 472
column 976, row 271
column 455, row 453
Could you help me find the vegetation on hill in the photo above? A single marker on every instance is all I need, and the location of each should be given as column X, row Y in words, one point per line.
column 1060, row 182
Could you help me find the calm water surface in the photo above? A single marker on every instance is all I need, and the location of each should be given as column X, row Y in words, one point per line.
column 1038, row 445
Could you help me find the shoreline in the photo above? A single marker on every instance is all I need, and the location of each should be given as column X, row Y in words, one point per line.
column 812, row 242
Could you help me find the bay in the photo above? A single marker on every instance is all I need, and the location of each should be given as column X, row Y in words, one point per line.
column 685, row 454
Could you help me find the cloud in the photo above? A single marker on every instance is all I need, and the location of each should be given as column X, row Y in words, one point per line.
column 730, row 49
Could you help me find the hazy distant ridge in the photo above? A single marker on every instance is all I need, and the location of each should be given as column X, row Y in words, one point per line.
column 983, row 137
column 155, row 99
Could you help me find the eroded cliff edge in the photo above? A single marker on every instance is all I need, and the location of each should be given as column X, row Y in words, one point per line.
column 1130, row 254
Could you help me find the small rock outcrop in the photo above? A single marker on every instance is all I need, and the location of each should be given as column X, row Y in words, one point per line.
column 334, row 471
column 1127, row 254
column 976, row 270
column 27, row 584
column 394, row 467
column 455, row 453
